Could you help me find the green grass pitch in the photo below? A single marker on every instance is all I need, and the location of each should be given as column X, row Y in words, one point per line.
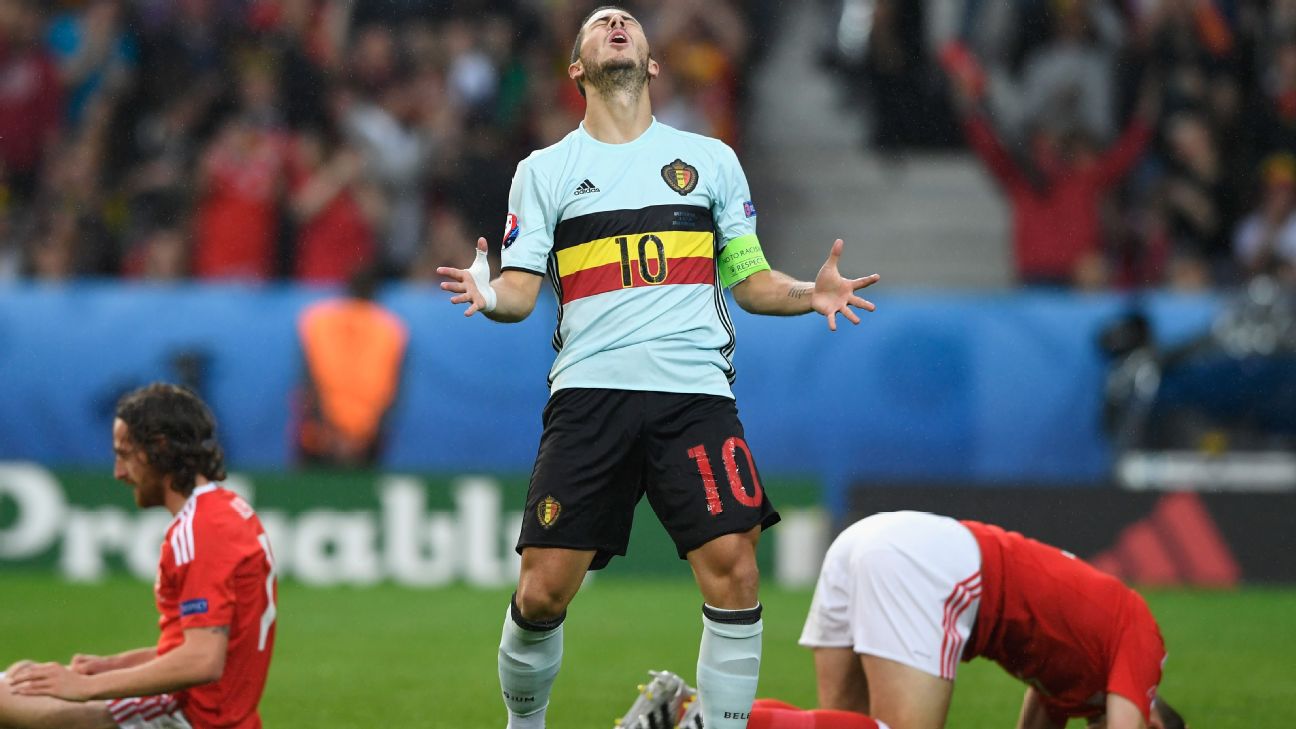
column 393, row 657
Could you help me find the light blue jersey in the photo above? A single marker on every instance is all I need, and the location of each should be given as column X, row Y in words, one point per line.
column 629, row 235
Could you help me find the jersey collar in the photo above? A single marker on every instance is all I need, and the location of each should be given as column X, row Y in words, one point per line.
column 193, row 497
column 647, row 133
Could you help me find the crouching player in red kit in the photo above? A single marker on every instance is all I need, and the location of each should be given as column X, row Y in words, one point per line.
column 215, row 591
column 903, row 597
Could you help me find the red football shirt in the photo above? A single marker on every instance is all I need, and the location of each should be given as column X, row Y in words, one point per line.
column 338, row 240
column 217, row 569
column 237, row 219
column 1060, row 625
column 1056, row 220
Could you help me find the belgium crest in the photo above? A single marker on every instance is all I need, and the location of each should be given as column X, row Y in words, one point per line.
column 680, row 176
column 547, row 511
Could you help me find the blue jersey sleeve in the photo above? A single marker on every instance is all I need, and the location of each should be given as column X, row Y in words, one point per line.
column 528, row 230
column 734, row 212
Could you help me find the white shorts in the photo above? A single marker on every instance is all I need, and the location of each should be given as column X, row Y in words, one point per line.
column 901, row 585
column 149, row 712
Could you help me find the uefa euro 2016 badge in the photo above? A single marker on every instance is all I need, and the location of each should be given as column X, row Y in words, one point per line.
column 547, row 511
column 510, row 229
column 680, row 176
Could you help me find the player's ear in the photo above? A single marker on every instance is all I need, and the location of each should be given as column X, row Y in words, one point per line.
column 576, row 71
column 654, row 68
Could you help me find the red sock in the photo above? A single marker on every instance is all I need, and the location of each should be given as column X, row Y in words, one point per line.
column 765, row 717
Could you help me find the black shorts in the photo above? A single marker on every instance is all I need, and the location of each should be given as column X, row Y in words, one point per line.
column 602, row 450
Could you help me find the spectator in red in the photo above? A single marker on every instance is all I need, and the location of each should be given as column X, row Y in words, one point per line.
column 241, row 179
column 1055, row 198
column 334, row 238
column 30, row 96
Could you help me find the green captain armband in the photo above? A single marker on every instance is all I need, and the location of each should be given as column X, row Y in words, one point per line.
column 740, row 258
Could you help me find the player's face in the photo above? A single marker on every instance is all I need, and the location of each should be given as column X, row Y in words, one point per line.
column 131, row 467
column 614, row 47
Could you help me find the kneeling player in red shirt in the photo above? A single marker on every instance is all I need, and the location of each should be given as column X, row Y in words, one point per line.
column 903, row 597
column 215, row 591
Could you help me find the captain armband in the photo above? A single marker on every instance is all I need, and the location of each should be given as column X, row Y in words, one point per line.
column 741, row 258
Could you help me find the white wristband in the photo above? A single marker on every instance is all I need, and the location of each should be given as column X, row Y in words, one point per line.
column 480, row 272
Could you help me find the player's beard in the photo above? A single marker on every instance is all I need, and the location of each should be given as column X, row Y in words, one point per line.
column 617, row 75
column 150, row 490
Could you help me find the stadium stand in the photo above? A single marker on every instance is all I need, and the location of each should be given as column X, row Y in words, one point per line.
column 261, row 139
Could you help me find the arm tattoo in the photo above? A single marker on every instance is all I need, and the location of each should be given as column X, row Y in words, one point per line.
column 800, row 292
column 220, row 629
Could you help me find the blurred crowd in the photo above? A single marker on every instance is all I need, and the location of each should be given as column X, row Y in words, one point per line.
column 1137, row 142
column 304, row 139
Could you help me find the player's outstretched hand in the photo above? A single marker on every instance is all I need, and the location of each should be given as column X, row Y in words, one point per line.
column 469, row 284
column 835, row 295
column 48, row 679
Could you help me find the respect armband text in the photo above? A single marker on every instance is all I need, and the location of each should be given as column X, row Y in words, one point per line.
column 741, row 258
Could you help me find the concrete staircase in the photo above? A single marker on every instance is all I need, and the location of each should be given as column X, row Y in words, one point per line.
column 933, row 220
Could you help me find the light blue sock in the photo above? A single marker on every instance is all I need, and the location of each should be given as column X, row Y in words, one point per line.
column 728, row 665
column 530, row 654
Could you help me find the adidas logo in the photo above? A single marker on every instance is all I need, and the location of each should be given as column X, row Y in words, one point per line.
column 586, row 187
column 1177, row 544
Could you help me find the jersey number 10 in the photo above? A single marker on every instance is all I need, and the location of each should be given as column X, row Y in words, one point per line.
column 727, row 453
column 627, row 275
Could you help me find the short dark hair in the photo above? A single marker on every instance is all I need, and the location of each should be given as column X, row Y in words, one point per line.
column 1169, row 717
column 176, row 431
column 580, row 37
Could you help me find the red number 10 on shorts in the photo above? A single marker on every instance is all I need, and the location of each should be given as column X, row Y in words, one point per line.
column 727, row 453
